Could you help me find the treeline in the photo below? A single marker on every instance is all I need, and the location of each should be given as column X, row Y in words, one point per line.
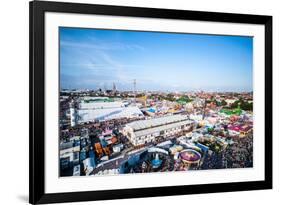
column 244, row 105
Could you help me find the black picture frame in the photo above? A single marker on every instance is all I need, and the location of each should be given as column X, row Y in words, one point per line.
column 37, row 11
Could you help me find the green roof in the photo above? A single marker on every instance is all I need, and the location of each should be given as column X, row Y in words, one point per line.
column 99, row 100
column 183, row 100
column 236, row 111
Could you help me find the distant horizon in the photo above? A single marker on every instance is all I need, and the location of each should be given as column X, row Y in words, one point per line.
column 180, row 91
column 164, row 62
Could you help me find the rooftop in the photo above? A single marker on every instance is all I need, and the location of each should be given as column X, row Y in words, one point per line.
column 190, row 155
column 155, row 122
column 86, row 115
column 156, row 129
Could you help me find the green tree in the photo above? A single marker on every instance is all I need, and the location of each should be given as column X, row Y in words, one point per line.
column 223, row 103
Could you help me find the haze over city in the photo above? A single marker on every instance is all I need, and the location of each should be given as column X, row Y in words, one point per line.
column 92, row 59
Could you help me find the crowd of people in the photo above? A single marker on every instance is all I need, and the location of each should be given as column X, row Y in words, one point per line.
column 240, row 154
column 237, row 155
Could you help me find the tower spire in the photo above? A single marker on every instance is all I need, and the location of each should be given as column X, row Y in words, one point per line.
column 135, row 83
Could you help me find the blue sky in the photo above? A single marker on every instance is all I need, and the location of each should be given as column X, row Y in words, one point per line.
column 92, row 58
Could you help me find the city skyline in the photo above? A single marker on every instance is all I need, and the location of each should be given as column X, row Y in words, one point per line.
column 92, row 59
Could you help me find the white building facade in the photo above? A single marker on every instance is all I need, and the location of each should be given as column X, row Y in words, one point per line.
column 101, row 109
column 146, row 131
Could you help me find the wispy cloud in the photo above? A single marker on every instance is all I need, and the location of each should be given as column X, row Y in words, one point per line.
column 96, row 55
column 102, row 45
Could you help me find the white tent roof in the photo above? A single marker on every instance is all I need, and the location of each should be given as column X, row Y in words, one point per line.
column 145, row 124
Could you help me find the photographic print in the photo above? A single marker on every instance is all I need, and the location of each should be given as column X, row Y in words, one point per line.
column 130, row 102
column 142, row 102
